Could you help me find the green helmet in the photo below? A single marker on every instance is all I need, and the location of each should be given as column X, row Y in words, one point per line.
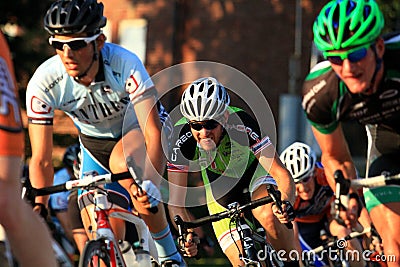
column 347, row 23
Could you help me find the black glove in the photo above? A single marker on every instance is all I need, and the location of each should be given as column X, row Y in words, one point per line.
column 289, row 210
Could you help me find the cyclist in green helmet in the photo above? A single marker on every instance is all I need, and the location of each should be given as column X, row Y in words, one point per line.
column 360, row 80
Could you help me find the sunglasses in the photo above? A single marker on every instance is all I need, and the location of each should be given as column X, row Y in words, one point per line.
column 73, row 43
column 305, row 180
column 353, row 55
column 208, row 125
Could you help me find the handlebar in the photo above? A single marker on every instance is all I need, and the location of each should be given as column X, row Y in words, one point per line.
column 234, row 211
column 88, row 182
column 376, row 181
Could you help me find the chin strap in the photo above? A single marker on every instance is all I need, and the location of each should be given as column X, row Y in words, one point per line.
column 94, row 59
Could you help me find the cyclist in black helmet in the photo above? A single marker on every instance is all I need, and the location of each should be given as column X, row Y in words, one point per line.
column 96, row 83
column 359, row 81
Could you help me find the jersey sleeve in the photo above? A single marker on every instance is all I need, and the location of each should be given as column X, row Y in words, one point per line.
column 39, row 107
column 11, row 129
column 138, row 82
column 40, row 103
column 321, row 98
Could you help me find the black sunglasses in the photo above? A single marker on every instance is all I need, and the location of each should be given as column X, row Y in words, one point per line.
column 305, row 180
column 74, row 43
column 208, row 125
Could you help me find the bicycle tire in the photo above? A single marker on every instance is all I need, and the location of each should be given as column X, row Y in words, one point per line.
column 94, row 252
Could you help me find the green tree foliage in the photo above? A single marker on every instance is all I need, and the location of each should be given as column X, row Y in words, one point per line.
column 391, row 12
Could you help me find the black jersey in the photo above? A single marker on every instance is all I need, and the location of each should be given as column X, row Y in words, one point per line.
column 327, row 101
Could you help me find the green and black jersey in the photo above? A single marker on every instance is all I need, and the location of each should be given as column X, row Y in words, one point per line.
column 327, row 101
column 228, row 171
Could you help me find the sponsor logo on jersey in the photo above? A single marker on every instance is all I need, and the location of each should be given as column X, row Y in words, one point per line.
column 131, row 85
column 389, row 94
column 54, row 83
column 39, row 106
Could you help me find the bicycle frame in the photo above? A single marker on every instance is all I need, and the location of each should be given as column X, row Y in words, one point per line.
column 104, row 231
column 247, row 236
column 103, row 212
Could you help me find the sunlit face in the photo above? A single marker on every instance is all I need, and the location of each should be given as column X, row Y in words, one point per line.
column 207, row 133
column 358, row 75
column 75, row 60
column 306, row 187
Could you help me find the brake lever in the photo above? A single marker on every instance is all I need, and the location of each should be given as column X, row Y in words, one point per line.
column 182, row 233
column 276, row 197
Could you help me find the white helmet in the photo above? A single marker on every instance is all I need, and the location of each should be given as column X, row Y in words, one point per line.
column 204, row 99
column 300, row 160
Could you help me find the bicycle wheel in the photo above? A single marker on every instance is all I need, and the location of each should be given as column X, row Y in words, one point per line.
column 95, row 251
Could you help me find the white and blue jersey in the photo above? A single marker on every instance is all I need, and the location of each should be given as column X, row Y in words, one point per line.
column 97, row 110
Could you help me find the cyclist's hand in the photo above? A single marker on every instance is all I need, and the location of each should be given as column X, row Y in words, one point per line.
column 150, row 197
column 190, row 248
column 288, row 213
column 351, row 213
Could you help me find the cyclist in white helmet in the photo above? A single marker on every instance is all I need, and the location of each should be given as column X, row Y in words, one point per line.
column 313, row 202
column 211, row 134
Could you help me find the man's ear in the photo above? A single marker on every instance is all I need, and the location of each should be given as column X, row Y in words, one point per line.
column 101, row 41
column 380, row 47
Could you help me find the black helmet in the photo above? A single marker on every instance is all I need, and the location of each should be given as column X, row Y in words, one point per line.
column 71, row 155
column 74, row 16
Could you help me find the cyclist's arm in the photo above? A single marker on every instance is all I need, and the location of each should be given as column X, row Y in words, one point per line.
column 335, row 154
column 269, row 159
column 177, row 195
column 41, row 170
column 149, row 121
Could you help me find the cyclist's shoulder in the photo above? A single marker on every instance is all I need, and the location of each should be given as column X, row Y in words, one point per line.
column 319, row 71
column 48, row 74
column 239, row 118
column 321, row 83
column 117, row 56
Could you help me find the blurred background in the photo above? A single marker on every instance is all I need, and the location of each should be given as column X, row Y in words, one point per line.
column 268, row 40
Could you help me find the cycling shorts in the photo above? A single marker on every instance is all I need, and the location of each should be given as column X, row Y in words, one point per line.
column 385, row 163
column 381, row 195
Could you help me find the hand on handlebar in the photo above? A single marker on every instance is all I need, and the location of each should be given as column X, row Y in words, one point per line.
column 285, row 215
column 148, row 194
column 188, row 244
column 350, row 217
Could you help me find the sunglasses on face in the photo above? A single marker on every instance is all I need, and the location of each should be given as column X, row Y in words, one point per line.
column 73, row 43
column 353, row 55
column 305, row 180
column 208, row 125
